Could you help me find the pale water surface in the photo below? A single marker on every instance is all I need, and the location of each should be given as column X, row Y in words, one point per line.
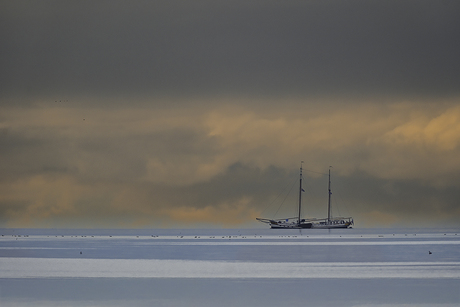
column 230, row 267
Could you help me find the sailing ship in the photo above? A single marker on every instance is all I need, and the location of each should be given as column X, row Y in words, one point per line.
column 299, row 223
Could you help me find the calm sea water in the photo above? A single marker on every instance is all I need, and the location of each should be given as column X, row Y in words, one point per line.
column 229, row 267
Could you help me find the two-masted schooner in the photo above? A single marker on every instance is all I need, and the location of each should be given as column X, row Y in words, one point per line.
column 299, row 223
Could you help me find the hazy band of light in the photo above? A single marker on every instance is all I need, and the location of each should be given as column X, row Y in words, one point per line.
column 270, row 243
column 140, row 268
column 293, row 243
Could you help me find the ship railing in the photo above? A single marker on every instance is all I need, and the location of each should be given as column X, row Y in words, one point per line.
column 335, row 220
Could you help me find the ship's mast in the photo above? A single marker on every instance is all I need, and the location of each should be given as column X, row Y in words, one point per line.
column 300, row 192
column 329, row 199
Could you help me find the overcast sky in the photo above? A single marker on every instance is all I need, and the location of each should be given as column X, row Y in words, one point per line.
column 197, row 113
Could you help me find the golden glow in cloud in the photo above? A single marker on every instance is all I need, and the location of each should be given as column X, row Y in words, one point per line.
column 426, row 146
column 439, row 133
column 379, row 139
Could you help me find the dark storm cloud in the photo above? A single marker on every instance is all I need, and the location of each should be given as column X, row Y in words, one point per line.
column 237, row 181
column 54, row 48
column 403, row 201
column 273, row 192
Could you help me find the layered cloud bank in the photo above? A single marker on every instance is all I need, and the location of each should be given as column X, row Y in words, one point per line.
column 171, row 114
column 223, row 165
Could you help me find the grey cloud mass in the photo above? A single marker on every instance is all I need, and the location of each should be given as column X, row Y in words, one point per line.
column 177, row 48
column 198, row 113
